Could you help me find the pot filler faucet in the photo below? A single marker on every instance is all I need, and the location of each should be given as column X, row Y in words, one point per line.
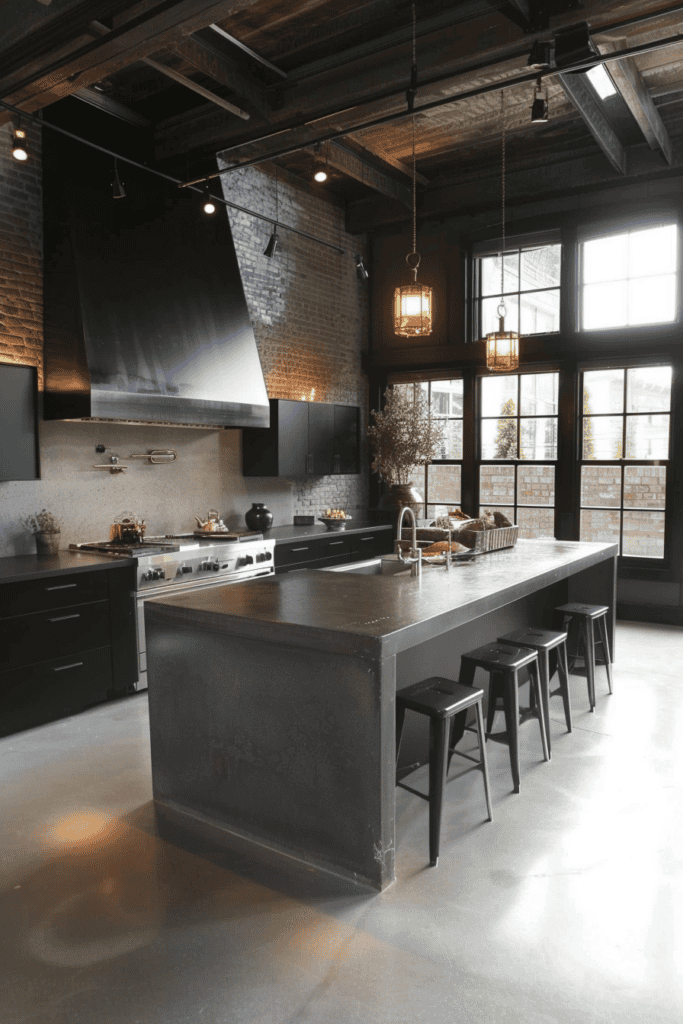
column 414, row 559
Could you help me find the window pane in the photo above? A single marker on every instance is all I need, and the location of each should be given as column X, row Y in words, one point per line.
column 653, row 251
column 601, row 485
column 507, row 510
column 490, row 275
column 447, row 397
column 605, row 259
column 489, row 314
column 605, row 305
column 644, row 486
column 603, row 437
column 644, row 534
column 452, row 443
column 540, row 312
column 648, row 389
column 444, row 484
column 538, row 439
column 600, row 526
column 647, row 437
column 652, row 300
column 499, row 439
column 540, row 268
column 496, row 393
column 539, row 394
column 603, row 391
column 496, row 484
column 536, row 522
column 536, row 485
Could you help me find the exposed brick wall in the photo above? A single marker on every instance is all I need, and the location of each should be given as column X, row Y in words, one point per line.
column 21, row 253
column 308, row 309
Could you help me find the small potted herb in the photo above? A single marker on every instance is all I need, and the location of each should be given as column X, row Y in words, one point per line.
column 46, row 529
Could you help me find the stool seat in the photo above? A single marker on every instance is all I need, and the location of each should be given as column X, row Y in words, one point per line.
column 543, row 641
column 498, row 657
column 440, row 700
column 590, row 611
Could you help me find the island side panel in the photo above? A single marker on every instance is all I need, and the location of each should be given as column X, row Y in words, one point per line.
column 598, row 585
column 289, row 746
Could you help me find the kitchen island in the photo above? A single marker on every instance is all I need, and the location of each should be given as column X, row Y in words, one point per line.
column 272, row 702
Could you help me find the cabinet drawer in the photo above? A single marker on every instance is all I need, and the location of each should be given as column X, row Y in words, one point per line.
column 289, row 554
column 333, row 545
column 27, row 639
column 37, row 693
column 53, row 592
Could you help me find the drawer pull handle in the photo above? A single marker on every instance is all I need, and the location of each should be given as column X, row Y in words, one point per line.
column 366, row 538
column 299, row 549
column 62, row 586
column 63, row 668
column 335, row 542
column 62, row 618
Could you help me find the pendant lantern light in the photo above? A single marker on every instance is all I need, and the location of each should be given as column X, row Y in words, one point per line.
column 413, row 302
column 502, row 347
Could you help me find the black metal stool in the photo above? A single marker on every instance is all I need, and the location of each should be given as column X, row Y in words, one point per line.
column 440, row 699
column 586, row 615
column 543, row 641
column 504, row 664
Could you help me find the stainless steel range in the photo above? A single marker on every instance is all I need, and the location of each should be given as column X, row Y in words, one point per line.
column 174, row 565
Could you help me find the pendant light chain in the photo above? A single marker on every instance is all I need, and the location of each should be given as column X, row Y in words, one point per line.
column 502, row 197
column 414, row 86
column 414, row 197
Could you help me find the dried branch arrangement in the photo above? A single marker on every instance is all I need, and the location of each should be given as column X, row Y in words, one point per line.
column 42, row 522
column 404, row 434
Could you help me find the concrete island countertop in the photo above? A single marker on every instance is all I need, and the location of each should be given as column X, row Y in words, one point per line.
column 17, row 568
column 386, row 613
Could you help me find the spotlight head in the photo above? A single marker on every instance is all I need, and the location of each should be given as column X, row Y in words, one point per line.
column 361, row 270
column 19, row 147
column 320, row 175
column 540, row 55
column 117, row 189
column 539, row 110
column 272, row 246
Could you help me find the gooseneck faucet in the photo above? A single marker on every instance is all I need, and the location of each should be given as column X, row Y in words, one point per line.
column 414, row 559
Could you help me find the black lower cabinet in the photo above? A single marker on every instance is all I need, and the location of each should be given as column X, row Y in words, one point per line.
column 337, row 548
column 65, row 651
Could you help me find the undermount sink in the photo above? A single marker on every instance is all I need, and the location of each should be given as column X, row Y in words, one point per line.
column 389, row 565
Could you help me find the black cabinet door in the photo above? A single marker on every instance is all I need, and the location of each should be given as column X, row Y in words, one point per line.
column 292, row 440
column 346, row 431
column 18, row 430
column 320, row 439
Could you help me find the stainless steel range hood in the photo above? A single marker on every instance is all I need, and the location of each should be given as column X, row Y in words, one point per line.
column 145, row 315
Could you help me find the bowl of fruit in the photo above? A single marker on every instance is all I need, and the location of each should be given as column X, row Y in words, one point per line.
column 335, row 518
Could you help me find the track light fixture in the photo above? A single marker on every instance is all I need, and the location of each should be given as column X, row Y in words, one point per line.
column 273, row 243
column 540, row 55
column 19, row 146
column 209, row 205
column 117, row 189
column 361, row 270
column 539, row 108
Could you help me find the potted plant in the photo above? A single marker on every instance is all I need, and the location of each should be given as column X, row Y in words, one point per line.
column 46, row 529
column 404, row 435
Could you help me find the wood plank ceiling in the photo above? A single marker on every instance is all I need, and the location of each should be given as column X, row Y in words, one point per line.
column 270, row 79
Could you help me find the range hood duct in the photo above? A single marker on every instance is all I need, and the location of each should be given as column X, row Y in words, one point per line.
column 145, row 316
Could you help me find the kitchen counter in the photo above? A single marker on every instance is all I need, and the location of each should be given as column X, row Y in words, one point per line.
column 272, row 702
column 284, row 534
column 16, row 568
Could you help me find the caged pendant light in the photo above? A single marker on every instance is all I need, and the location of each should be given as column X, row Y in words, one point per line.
column 502, row 347
column 413, row 302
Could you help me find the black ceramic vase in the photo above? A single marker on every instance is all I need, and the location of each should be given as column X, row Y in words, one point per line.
column 259, row 517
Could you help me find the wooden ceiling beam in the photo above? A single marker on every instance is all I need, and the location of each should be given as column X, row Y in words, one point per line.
column 630, row 84
column 111, row 106
column 212, row 63
column 585, row 101
column 345, row 159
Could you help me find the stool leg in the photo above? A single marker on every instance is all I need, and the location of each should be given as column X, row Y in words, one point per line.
column 511, row 706
column 536, row 685
column 563, row 673
column 544, row 673
column 495, row 691
column 482, row 755
column 400, row 717
column 438, row 749
column 589, row 648
column 458, row 722
column 602, row 628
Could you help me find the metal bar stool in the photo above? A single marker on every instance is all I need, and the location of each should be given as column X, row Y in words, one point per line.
column 503, row 665
column 586, row 615
column 440, row 699
column 543, row 641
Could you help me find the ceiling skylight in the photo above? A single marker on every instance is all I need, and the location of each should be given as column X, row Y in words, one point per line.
column 601, row 81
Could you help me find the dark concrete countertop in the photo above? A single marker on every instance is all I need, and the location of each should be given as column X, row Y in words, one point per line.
column 378, row 616
column 283, row 534
column 16, row 568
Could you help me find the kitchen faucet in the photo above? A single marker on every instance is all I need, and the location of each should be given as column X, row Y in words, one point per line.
column 414, row 559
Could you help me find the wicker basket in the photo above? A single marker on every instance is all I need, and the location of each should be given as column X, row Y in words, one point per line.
column 493, row 540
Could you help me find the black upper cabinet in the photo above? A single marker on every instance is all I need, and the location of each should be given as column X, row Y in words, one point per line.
column 18, row 423
column 304, row 438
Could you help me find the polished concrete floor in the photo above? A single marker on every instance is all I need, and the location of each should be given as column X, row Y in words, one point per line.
column 567, row 908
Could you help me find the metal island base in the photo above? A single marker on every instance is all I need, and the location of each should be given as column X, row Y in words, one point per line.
column 272, row 702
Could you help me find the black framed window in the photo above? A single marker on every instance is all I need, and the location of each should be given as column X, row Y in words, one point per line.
column 518, row 426
column 531, row 289
column 440, row 481
column 625, row 441
column 629, row 278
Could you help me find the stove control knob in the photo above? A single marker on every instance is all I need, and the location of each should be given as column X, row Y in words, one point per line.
column 263, row 557
column 213, row 566
column 159, row 574
column 183, row 569
column 148, row 575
